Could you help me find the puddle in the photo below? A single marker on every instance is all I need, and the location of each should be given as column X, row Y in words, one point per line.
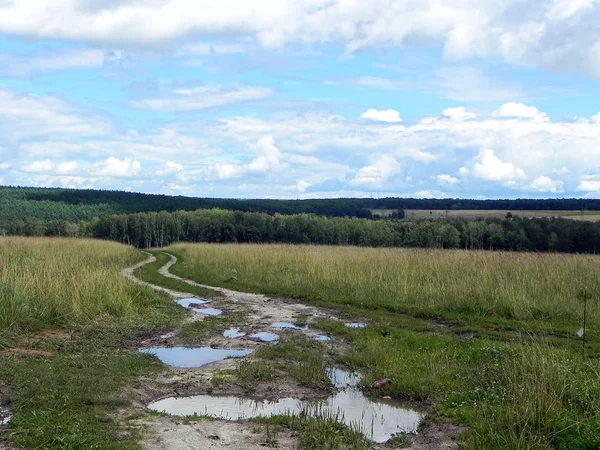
column 320, row 337
column 377, row 419
column 186, row 358
column 186, row 302
column 265, row 337
column 208, row 311
column 286, row 326
column 233, row 333
column 5, row 416
column 356, row 325
column 169, row 335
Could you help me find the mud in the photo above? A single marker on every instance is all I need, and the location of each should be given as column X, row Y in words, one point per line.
column 257, row 313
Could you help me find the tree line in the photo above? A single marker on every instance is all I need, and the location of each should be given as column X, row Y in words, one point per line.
column 19, row 204
column 144, row 230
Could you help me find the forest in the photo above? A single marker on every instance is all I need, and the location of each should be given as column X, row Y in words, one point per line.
column 145, row 230
column 145, row 221
column 19, row 204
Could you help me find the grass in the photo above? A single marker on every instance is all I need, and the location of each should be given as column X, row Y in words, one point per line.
column 520, row 383
column 149, row 273
column 70, row 398
column 514, row 287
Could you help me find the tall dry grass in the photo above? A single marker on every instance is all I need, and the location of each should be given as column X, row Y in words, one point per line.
column 54, row 281
column 521, row 286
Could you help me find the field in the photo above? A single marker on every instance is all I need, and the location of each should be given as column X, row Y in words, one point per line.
column 484, row 340
column 65, row 316
column 419, row 214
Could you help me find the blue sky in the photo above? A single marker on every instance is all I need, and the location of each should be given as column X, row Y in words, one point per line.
column 302, row 98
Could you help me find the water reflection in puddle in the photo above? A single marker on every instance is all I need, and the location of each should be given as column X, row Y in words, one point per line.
column 265, row 337
column 378, row 419
column 233, row 333
column 193, row 357
column 194, row 302
column 320, row 337
column 209, row 311
column 286, row 325
column 355, row 325
column 5, row 416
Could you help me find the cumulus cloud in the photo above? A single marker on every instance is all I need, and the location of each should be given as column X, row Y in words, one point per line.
column 458, row 113
column 202, row 97
column 519, row 110
column 170, row 168
column 589, row 183
column 515, row 31
column 545, row 184
column 490, row 168
column 388, row 115
column 446, row 179
column 114, row 167
column 376, row 174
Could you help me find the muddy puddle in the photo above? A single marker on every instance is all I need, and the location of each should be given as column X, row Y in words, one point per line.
column 320, row 337
column 5, row 416
column 355, row 325
column 208, row 311
column 188, row 358
column 233, row 333
column 192, row 304
column 377, row 419
column 264, row 337
column 286, row 326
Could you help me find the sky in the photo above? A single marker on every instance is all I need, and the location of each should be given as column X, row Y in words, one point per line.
column 303, row 98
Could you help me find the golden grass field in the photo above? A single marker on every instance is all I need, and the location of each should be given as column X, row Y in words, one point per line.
column 521, row 286
column 55, row 281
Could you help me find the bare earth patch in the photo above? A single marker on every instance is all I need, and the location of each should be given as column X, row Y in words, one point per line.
column 26, row 352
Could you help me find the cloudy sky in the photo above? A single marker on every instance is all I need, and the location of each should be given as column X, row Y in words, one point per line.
column 302, row 98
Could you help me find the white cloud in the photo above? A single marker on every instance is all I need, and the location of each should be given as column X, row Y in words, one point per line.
column 562, row 171
column 114, row 167
column 211, row 48
column 388, row 115
column 596, row 118
column 445, row 179
column 4, row 166
column 202, row 97
column 47, row 61
column 302, row 186
column 515, row 31
column 29, row 116
column 458, row 113
column 545, row 184
column 39, row 166
column 521, row 111
column 376, row 174
column 170, row 168
column 490, row 168
column 589, row 183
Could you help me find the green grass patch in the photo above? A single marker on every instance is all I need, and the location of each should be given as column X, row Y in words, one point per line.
column 149, row 273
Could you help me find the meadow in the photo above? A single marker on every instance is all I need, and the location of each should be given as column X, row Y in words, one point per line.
column 486, row 339
column 421, row 214
column 66, row 317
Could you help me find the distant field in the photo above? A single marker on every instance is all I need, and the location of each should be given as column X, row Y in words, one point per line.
column 416, row 214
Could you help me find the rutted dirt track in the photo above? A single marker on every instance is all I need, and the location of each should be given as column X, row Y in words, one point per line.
column 256, row 314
